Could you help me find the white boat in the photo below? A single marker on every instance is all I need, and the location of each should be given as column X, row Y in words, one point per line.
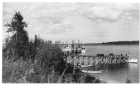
column 67, row 48
column 133, row 60
column 86, row 66
column 83, row 50
column 85, row 71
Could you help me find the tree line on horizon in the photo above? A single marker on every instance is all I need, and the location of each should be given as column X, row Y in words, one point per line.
column 109, row 43
column 121, row 43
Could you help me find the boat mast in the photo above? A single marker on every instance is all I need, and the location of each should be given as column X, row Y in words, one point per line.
column 78, row 43
column 83, row 45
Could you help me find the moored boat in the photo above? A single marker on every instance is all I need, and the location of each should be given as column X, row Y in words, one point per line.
column 86, row 66
column 86, row 71
column 83, row 50
column 133, row 60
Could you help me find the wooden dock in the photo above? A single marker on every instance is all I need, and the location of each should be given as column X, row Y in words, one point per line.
column 95, row 60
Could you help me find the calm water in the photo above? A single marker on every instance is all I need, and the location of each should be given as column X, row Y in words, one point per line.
column 118, row 75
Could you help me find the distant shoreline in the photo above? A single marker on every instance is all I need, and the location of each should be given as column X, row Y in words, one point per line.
column 109, row 43
column 121, row 43
column 112, row 45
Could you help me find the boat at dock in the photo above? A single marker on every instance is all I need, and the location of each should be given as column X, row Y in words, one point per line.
column 83, row 50
column 133, row 60
column 84, row 66
column 75, row 49
column 67, row 47
column 96, row 72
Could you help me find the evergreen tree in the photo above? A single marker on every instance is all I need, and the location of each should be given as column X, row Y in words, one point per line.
column 19, row 40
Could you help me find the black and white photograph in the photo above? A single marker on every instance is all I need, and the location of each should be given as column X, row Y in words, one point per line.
column 70, row 42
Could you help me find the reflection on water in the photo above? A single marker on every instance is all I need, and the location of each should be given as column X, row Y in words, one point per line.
column 117, row 73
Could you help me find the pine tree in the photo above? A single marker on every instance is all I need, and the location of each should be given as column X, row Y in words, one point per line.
column 19, row 40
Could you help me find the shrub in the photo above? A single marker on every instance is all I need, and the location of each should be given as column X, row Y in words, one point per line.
column 15, row 71
column 48, row 56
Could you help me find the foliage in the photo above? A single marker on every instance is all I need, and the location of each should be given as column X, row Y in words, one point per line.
column 15, row 72
column 19, row 48
column 17, row 24
column 48, row 56
column 29, row 72
column 32, row 46
column 18, row 42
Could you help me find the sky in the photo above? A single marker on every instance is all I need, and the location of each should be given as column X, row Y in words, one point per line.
column 88, row 22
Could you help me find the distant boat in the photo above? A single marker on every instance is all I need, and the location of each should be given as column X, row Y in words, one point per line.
column 85, row 71
column 86, row 66
column 133, row 60
column 83, row 49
